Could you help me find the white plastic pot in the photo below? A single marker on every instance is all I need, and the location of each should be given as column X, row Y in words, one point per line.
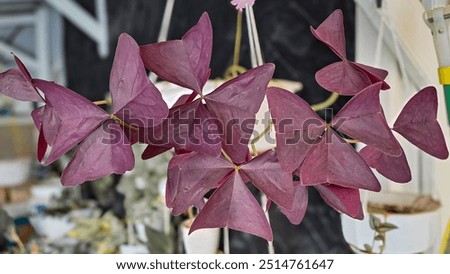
column 202, row 241
column 416, row 232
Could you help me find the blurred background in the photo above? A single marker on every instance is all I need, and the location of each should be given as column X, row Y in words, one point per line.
column 73, row 41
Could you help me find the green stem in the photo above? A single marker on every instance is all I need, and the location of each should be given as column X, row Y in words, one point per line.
column 447, row 101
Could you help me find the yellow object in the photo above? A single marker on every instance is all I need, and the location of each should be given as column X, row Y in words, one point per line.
column 445, row 246
column 444, row 75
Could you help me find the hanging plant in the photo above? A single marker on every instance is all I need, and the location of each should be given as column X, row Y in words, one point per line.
column 210, row 133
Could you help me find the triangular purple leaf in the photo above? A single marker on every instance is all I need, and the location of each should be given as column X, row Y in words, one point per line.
column 331, row 32
column 13, row 84
column 296, row 214
column 336, row 162
column 183, row 62
column 345, row 200
column 68, row 118
column 233, row 205
column 133, row 95
column 105, row 151
column 393, row 168
column 297, row 126
column 417, row 123
column 189, row 127
column 375, row 75
column 265, row 172
column 362, row 118
column 343, row 78
column 191, row 176
column 235, row 104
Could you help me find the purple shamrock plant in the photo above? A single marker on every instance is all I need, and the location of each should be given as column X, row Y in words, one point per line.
column 210, row 133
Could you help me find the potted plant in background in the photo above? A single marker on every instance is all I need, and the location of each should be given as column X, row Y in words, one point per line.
column 210, row 133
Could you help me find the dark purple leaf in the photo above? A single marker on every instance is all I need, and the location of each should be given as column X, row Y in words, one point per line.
column 375, row 74
column 235, row 104
column 345, row 200
column 297, row 127
column 183, row 62
column 417, row 123
column 265, row 172
column 362, row 118
column 233, row 205
column 336, row 162
column 331, row 32
column 296, row 214
column 393, row 168
column 104, row 152
column 68, row 118
column 343, row 78
column 42, row 145
column 14, row 84
column 189, row 127
column 191, row 176
column 133, row 95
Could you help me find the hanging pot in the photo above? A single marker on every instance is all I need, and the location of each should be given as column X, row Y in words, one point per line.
column 416, row 217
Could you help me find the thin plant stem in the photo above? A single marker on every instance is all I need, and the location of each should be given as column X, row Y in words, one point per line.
column 327, row 103
column 238, row 39
column 351, row 141
column 101, row 102
column 227, row 156
column 190, row 213
column 259, row 137
column 122, row 123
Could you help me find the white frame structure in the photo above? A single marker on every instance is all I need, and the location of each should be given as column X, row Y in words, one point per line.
column 45, row 16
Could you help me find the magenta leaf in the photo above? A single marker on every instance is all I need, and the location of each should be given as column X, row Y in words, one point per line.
column 191, row 176
column 331, row 32
column 417, row 123
column 183, row 62
column 296, row 214
column 105, row 151
column 345, row 77
column 131, row 90
column 16, row 83
column 342, row 77
column 297, row 127
column 394, row 168
column 68, row 118
column 37, row 116
column 233, row 205
column 345, row 200
column 375, row 74
column 42, row 145
column 362, row 118
column 235, row 104
column 336, row 162
column 189, row 127
column 265, row 172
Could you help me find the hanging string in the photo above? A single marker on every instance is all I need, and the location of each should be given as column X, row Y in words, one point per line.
column 226, row 240
column 270, row 247
column 164, row 30
column 251, row 40
column 259, row 59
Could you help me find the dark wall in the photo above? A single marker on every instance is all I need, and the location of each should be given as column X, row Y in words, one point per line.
column 286, row 41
